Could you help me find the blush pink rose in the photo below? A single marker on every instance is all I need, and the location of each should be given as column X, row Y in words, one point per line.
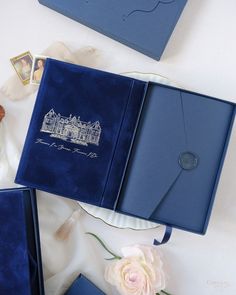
column 139, row 272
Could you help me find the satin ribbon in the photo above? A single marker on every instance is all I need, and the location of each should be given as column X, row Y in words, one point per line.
column 166, row 237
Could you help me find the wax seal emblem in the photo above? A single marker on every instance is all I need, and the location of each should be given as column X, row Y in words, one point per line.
column 2, row 113
column 188, row 160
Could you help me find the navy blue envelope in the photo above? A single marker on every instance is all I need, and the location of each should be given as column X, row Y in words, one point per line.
column 20, row 258
column 82, row 286
column 143, row 149
column 145, row 25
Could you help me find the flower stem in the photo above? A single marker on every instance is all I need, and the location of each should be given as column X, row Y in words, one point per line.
column 104, row 246
column 164, row 292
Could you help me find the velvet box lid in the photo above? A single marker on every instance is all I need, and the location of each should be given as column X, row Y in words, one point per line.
column 82, row 286
column 145, row 25
column 143, row 149
column 20, row 258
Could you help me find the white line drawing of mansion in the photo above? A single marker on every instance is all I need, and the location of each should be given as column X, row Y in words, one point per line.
column 71, row 129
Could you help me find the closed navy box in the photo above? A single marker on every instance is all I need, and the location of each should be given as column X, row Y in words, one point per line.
column 82, row 286
column 143, row 149
column 145, row 25
column 20, row 256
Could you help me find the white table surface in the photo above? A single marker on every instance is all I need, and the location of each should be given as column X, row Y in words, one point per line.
column 201, row 57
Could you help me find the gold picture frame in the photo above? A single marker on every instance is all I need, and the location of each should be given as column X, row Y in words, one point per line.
column 23, row 65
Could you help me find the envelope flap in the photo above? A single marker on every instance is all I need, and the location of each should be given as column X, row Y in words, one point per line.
column 178, row 178
column 154, row 165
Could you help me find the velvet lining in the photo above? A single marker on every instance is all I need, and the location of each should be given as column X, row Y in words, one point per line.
column 20, row 261
column 81, row 170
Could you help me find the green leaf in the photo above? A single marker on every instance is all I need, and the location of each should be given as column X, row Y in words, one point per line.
column 164, row 292
column 104, row 246
column 110, row 259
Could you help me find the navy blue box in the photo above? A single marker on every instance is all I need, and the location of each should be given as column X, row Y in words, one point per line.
column 142, row 149
column 20, row 255
column 140, row 24
column 82, row 286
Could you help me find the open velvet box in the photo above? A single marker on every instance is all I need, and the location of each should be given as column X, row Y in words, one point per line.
column 142, row 149
column 20, row 257
column 143, row 25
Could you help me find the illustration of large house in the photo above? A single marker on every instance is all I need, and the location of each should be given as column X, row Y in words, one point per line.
column 71, row 129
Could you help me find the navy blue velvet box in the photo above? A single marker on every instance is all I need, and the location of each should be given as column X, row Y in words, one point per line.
column 145, row 25
column 20, row 257
column 142, row 149
column 82, row 286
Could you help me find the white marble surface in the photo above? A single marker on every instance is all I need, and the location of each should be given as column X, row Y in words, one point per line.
column 201, row 57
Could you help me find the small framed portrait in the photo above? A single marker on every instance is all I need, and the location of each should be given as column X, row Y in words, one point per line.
column 37, row 69
column 23, row 66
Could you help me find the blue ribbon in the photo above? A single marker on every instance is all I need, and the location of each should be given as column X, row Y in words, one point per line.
column 166, row 237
